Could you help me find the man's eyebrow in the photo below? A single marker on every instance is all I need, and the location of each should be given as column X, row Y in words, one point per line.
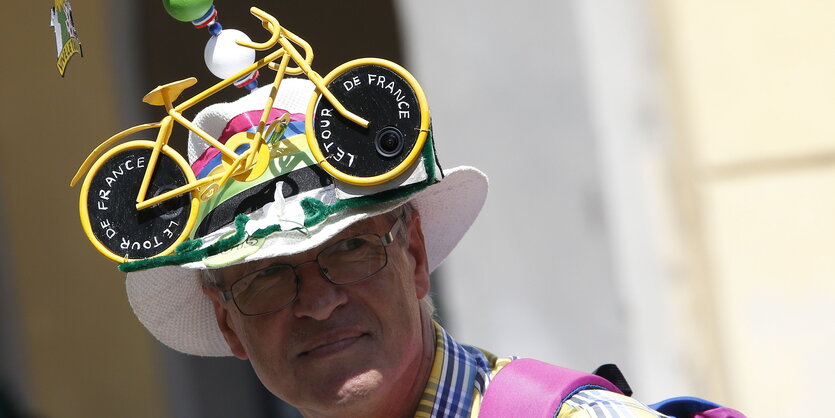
column 362, row 227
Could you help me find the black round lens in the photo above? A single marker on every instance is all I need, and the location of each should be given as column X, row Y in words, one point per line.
column 389, row 142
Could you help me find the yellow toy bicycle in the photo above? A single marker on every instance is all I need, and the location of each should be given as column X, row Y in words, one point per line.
column 365, row 124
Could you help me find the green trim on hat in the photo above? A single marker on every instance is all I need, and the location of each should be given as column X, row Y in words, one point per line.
column 315, row 212
column 190, row 251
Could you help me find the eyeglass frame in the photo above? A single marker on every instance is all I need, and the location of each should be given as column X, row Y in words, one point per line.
column 386, row 239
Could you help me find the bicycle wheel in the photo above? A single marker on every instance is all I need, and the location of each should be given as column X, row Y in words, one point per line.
column 107, row 204
column 391, row 100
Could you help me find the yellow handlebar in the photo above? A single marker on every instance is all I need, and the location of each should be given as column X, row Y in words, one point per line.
column 270, row 24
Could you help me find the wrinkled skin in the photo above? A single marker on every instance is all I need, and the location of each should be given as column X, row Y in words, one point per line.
column 364, row 349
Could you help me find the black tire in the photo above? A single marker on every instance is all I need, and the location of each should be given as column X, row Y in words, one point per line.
column 390, row 99
column 108, row 203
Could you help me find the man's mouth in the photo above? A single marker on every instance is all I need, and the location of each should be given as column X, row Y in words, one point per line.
column 332, row 342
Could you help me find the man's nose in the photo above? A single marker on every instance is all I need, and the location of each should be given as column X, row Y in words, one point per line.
column 318, row 297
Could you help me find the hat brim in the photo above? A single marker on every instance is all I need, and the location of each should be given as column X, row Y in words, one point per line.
column 170, row 303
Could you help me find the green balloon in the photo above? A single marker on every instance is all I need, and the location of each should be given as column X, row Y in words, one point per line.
column 187, row 10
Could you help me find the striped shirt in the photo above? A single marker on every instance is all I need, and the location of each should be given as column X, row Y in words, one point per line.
column 461, row 374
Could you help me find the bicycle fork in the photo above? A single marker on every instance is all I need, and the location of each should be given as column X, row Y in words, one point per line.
column 166, row 127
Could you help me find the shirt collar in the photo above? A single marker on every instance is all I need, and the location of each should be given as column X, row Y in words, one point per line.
column 459, row 375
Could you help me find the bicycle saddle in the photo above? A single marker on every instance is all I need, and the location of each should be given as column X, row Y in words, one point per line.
column 172, row 90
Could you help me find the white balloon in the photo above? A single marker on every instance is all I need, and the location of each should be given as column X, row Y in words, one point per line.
column 224, row 57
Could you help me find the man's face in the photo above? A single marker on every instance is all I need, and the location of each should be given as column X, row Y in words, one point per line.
column 338, row 348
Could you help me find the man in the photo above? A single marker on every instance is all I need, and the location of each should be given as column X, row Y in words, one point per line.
column 324, row 287
column 363, row 349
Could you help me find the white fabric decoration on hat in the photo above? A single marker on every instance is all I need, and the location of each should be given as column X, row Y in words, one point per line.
column 273, row 212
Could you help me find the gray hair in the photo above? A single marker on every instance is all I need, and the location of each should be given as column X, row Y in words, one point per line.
column 208, row 277
column 406, row 211
column 427, row 305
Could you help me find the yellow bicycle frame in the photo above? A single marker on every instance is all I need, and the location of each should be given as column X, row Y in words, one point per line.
column 240, row 163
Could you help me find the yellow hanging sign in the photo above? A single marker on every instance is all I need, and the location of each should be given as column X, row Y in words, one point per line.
column 66, row 39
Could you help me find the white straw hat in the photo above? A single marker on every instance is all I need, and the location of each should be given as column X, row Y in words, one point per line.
column 283, row 213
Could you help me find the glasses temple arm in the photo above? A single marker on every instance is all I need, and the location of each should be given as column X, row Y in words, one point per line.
column 388, row 238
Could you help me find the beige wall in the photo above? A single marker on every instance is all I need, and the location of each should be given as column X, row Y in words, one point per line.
column 753, row 102
column 86, row 355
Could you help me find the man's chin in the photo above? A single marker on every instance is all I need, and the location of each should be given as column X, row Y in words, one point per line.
column 345, row 393
column 360, row 386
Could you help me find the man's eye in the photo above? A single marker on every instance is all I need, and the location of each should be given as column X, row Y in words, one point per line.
column 269, row 271
column 352, row 244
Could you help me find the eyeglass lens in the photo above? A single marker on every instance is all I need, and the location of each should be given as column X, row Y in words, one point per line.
column 345, row 262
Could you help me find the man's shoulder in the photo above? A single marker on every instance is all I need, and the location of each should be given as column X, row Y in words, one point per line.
column 604, row 403
column 535, row 388
column 492, row 362
column 552, row 388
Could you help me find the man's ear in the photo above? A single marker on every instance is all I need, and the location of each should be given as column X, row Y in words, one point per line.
column 417, row 250
column 223, row 322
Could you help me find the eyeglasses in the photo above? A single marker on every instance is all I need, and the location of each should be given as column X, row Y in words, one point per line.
column 345, row 262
